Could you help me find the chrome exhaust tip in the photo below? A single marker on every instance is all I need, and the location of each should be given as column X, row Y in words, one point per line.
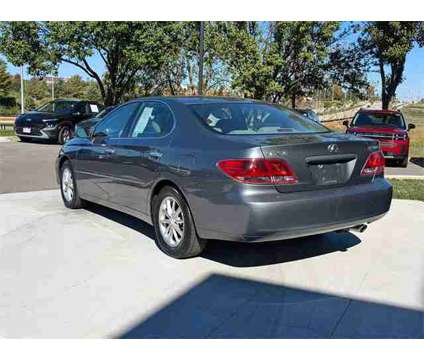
column 359, row 228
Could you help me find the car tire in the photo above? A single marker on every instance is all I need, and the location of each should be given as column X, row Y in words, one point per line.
column 24, row 139
column 65, row 134
column 68, row 187
column 404, row 162
column 168, row 222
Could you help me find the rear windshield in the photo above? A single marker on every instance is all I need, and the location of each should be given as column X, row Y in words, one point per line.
column 253, row 119
column 387, row 120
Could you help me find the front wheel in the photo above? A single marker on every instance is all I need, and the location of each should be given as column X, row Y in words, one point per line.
column 65, row 134
column 404, row 162
column 68, row 187
column 175, row 232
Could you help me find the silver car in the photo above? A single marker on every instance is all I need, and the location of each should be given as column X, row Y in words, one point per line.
column 200, row 168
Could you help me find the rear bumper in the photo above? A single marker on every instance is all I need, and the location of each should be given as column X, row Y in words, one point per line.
column 266, row 217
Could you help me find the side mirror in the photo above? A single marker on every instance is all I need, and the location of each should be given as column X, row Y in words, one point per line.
column 98, row 137
column 346, row 123
column 411, row 126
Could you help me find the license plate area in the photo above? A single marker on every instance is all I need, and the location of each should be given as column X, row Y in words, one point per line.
column 26, row 130
column 387, row 144
column 331, row 170
column 328, row 174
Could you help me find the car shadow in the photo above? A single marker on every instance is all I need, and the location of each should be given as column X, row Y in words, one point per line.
column 417, row 161
column 239, row 254
column 227, row 307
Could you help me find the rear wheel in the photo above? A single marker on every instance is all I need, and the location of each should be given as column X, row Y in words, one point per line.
column 175, row 232
column 68, row 187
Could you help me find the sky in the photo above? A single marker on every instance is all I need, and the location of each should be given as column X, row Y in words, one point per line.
column 412, row 87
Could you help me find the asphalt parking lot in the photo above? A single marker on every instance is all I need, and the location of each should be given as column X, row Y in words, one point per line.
column 97, row 273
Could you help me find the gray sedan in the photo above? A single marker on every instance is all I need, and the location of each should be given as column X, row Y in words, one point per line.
column 201, row 168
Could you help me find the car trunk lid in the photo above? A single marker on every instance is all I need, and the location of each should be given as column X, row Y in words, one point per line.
column 321, row 160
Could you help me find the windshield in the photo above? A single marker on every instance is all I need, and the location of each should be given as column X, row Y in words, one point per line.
column 59, row 106
column 379, row 119
column 253, row 119
column 46, row 107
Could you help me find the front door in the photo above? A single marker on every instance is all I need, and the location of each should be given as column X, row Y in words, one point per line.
column 95, row 162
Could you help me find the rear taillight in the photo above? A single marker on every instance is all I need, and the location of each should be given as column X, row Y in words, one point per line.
column 374, row 164
column 258, row 171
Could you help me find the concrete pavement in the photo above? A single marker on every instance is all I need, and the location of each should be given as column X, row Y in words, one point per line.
column 98, row 273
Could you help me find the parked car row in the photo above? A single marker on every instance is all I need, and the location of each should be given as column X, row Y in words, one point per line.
column 56, row 120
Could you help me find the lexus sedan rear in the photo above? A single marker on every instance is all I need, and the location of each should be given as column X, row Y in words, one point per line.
column 201, row 168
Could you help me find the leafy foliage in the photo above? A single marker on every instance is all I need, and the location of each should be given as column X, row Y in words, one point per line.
column 386, row 44
column 5, row 81
column 129, row 50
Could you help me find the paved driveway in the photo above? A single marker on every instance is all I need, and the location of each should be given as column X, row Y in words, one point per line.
column 27, row 166
column 98, row 273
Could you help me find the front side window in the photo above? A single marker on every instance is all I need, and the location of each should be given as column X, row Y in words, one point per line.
column 46, row 107
column 113, row 125
column 153, row 120
column 253, row 119
column 379, row 119
column 65, row 106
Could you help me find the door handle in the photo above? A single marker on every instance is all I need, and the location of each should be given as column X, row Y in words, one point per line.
column 106, row 152
column 154, row 155
column 110, row 151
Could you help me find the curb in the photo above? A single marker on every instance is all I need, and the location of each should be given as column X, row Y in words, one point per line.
column 405, row 177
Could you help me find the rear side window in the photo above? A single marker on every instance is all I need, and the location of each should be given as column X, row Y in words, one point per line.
column 153, row 120
column 253, row 119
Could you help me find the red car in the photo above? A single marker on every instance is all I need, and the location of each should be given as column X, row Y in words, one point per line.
column 388, row 127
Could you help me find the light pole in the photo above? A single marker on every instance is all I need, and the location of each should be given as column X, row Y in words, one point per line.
column 52, row 87
column 201, row 55
column 22, row 90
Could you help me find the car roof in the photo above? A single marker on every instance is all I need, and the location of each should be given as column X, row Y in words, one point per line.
column 191, row 100
column 75, row 100
column 378, row 111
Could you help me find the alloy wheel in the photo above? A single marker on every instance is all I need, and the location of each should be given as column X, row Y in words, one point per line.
column 171, row 221
column 67, row 184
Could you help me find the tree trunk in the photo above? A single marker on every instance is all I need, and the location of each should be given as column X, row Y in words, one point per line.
column 293, row 101
column 385, row 100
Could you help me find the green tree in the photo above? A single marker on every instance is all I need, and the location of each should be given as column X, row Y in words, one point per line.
column 285, row 60
column 5, row 81
column 74, row 87
column 36, row 92
column 386, row 44
column 127, row 49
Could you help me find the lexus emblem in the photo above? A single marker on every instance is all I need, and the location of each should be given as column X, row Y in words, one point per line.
column 333, row 148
